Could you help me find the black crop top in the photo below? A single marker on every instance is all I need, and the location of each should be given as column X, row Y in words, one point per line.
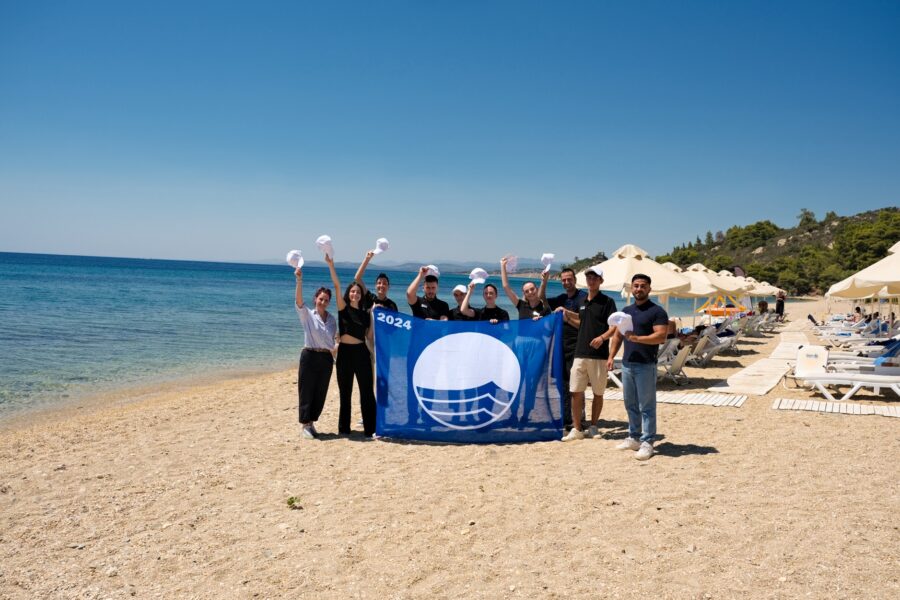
column 354, row 322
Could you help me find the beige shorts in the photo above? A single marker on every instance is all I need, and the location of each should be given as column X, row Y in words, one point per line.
column 588, row 370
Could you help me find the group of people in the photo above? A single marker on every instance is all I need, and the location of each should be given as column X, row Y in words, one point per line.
column 589, row 343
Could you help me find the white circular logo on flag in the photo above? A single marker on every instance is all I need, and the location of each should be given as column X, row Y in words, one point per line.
column 466, row 380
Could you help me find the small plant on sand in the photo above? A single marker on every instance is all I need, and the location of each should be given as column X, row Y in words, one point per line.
column 294, row 503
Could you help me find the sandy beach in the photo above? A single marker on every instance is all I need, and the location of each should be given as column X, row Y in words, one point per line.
column 183, row 494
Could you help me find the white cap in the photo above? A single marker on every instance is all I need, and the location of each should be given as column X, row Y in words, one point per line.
column 478, row 275
column 381, row 244
column 512, row 263
column 622, row 321
column 547, row 260
column 323, row 242
column 295, row 259
column 432, row 270
column 459, row 288
column 596, row 270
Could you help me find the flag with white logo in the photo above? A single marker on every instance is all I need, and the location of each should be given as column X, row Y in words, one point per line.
column 468, row 381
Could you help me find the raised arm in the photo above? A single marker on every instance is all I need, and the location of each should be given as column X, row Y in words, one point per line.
column 362, row 267
column 298, row 293
column 464, row 307
column 412, row 290
column 337, row 283
column 504, row 278
column 542, row 291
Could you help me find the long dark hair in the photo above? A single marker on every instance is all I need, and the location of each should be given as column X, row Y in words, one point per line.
column 362, row 292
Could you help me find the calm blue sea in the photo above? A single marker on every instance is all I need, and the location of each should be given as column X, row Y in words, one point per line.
column 77, row 325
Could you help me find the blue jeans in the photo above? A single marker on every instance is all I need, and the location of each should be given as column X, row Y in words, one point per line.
column 639, row 391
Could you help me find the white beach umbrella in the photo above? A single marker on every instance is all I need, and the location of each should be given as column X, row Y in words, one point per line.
column 764, row 288
column 629, row 260
column 882, row 275
column 723, row 281
column 701, row 286
column 737, row 284
column 673, row 267
column 847, row 288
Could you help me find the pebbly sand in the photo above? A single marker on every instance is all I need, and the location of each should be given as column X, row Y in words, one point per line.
column 183, row 494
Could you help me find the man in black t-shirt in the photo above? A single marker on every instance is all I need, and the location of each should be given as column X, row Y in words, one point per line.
column 530, row 306
column 649, row 326
column 428, row 306
column 591, row 352
column 382, row 285
column 569, row 303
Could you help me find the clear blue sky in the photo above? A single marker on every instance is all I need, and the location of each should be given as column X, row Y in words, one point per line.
column 459, row 130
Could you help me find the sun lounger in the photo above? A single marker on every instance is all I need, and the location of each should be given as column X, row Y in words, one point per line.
column 811, row 369
column 674, row 370
column 665, row 355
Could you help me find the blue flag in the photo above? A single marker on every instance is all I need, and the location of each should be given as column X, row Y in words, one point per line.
column 468, row 381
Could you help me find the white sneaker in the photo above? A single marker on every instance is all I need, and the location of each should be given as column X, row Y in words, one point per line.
column 628, row 443
column 573, row 435
column 645, row 452
column 306, row 433
column 592, row 432
column 312, row 427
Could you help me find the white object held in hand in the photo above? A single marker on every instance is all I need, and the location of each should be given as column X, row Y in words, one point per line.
column 547, row 261
column 621, row 321
column 512, row 263
column 432, row 270
column 295, row 259
column 381, row 245
column 323, row 242
column 478, row 275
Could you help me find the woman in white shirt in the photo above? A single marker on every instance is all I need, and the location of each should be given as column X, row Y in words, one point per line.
column 317, row 357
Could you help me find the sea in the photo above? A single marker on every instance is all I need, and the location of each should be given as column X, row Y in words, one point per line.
column 76, row 326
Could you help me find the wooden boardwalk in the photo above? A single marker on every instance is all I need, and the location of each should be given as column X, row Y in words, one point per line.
column 760, row 377
column 844, row 408
column 704, row 398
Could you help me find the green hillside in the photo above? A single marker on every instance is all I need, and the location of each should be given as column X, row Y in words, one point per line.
column 806, row 259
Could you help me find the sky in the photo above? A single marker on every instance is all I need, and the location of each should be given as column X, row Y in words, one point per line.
column 458, row 130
